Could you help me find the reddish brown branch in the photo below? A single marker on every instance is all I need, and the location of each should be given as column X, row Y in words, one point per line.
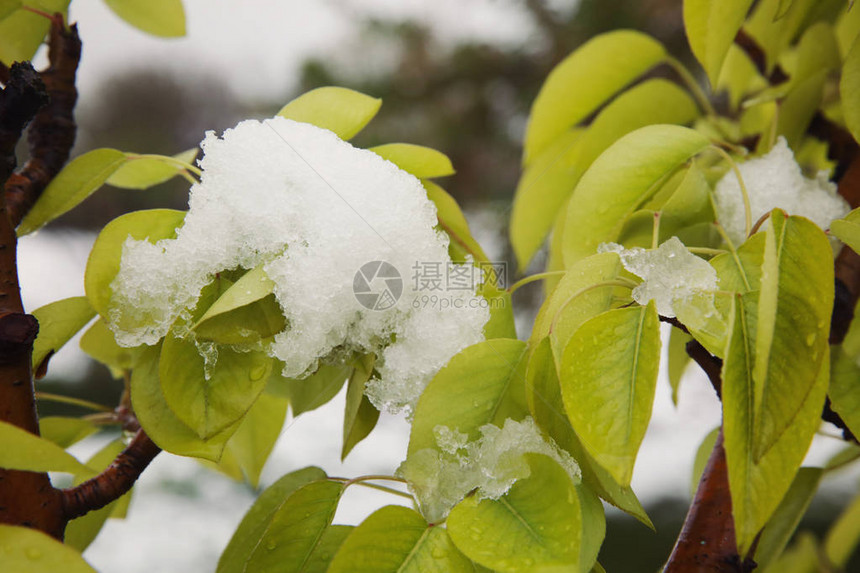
column 114, row 481
column 707, row 542
column 26, row 498
column 52, row 133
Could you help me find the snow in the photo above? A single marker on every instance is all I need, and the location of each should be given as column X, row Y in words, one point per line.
column 439, row 479
column 775, row 180
column 671, row 274
column 312, row 210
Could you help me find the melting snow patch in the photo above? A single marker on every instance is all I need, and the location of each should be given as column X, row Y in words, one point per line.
column 312, row 209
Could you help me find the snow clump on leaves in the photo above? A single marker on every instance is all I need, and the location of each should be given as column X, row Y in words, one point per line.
column 490, row 464
column 775, row 180
column 312, row 210
column 671, row 275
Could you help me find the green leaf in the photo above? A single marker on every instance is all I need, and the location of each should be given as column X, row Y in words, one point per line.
column 98, row 341
column 256, row 436
column 65, row 431
column 545, row 185
column 82, row 531
column 245, row 326
column 847, row 229
column 545, row 405
column 296, row 528
column 711, row 27
column 622, row 178
column 259, row 518
column 843, row 537
column 702, row 456
column 844, row 389
column 58, row 322
column 331, row 540
column 452, row 221
column 537, row 524
column 145, row 171
column 583, row 82
column 159, row 421
column 501, row 323
column 8, row 7
column 21, row 450
column 27, row 550
column 22, row 32
column 758, row 485
column 251, row 287
column 608, row 378
column 678, row 359
column 360, row 415
column 804, row 556
column 575, row 300
column 483, row 384
column 793, row 323
column 165, row 18
column 312, row 392
column 103, row 263
column 341, row 110
column 209, row 398
column 422, row 162
column 786, row 518
column 396, row 539
column 79, row 179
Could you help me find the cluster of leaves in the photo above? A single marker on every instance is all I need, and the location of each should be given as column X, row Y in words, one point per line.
column 612, row 154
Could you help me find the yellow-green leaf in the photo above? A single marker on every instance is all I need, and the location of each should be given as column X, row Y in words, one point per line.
column 341, row 110
column 21, row 450
column 103, row 263
column 209, row 398
column 608, row 378
column 145, row 171
column 79, row 179
column 496, row 391
column 159, row 421
column 711, row 27
column 583, row 82
column 621, row 179
column 27, row 550
column 259, row 517
column 256, row 436
column 58, row 322
column 536, row 525
column 165, row 18
column 22, row 31
column 397, row 539
column 65, row 431
column 422, row 162
column 847, row 229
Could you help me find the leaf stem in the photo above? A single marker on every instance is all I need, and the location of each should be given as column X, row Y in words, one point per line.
column 533, row 278
column 706, row 251
column 73, row 401
column 693, row 85
column 655, row 233
column 363, row 481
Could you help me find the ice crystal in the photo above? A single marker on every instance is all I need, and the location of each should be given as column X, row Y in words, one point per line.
column 440, row 478
column 775, row 180
column 312, row 209
column 670, row 274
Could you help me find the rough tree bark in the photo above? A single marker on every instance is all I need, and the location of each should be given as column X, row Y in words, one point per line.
column 46, row 101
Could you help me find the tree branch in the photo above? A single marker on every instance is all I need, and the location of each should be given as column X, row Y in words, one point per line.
column 52, row 133
column 707, row 542
column 26, row 498
column 113, row 482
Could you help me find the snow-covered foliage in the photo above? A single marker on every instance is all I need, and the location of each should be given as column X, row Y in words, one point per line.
column 775, row 180
column 491, row 464
column 670, row 274
column 312, row 209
